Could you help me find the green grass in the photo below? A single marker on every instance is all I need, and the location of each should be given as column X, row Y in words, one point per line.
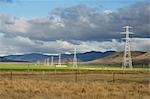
column 29, row 67
column 68, row 68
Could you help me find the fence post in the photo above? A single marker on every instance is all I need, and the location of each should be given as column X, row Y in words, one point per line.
column 76, row 74
column 11, row 75
column 28, row 68
column 113, row 77
column 43, row 74
column 55, row 70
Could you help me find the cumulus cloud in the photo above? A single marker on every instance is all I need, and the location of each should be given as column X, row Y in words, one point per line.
column 78, row 26
column 19, row 45
column 80, row 22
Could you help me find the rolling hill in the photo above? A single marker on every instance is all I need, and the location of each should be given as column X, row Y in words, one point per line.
column 139, row 58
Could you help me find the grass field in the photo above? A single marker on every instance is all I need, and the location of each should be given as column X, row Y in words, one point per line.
column 29, row 81
column 30, row 66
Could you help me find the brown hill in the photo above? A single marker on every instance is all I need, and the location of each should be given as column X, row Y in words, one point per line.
column 139, row 58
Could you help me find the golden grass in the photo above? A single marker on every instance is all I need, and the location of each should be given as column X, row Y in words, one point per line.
column 131, row 85
column 44, row 89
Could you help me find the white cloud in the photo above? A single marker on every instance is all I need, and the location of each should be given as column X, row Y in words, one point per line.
column 20, row 44
column 108, row 11
column 79, row 22
column 20, row 25
column 79, row 26
column 141, row 44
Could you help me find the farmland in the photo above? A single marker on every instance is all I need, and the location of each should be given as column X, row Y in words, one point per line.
column 30, row 81
column 31, row 66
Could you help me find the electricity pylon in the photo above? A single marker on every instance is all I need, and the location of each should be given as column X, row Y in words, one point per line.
column 47, row 62
column 75, row 62
column 52, row 61
column 59, row 61
column 127, row 60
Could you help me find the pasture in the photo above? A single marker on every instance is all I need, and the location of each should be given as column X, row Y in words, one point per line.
column 41, row 67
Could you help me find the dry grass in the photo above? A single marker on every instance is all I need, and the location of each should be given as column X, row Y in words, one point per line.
column 88, row 88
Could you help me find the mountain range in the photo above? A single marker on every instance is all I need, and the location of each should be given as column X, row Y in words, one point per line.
column 82, row 57
column 88, row 58
column 3, row 59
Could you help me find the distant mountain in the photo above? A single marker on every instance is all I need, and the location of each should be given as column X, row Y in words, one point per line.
column 88, row 56
column 83, row 57
column 27, row 57
column 3, row 59
column 139, row 58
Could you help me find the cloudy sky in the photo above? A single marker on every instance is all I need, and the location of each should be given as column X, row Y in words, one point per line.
column 58, row 26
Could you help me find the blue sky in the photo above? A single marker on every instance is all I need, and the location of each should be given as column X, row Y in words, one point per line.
column 41, row 8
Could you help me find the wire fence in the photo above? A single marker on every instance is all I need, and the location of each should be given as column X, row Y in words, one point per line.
column 77, row 76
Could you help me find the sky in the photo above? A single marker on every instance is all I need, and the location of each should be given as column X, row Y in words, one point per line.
column 41, row 8
column 59, row 26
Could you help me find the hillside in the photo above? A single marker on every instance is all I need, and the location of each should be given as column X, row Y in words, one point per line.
column 139, row 58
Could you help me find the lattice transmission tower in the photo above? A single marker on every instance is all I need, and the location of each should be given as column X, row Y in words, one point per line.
column 127, row 59
column 59, row 60
column 75, row 62
column 47, row 62
column 52, row 61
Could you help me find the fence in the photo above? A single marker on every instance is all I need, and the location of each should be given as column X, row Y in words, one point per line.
column 77, row 76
